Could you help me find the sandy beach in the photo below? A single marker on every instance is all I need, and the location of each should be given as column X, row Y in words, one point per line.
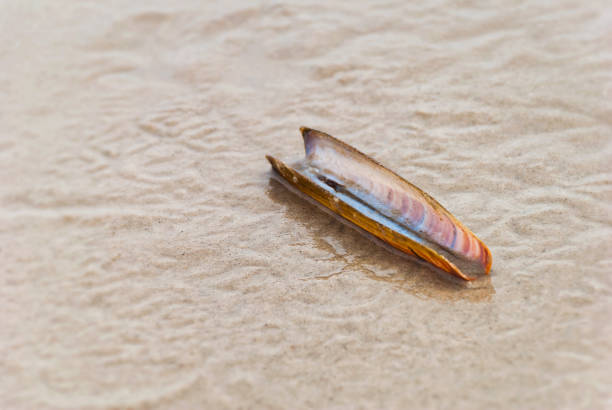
column 149, row 259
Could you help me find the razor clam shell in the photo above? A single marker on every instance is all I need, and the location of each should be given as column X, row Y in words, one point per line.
column 373, row 198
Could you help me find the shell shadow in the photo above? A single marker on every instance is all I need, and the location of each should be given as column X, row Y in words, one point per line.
column 354, row 246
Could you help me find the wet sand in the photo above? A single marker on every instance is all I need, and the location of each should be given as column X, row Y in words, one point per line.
column 151, row 260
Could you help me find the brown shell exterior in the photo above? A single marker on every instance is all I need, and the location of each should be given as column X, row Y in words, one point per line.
column 393, row 238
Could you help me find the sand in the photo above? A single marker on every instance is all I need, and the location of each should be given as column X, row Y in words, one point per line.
column 149, row 260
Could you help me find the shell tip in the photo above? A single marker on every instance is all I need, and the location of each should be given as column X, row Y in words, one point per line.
column 464, row 276
column 309, row 142
column 272, row 161
column 488, row 261
column 304, row 130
